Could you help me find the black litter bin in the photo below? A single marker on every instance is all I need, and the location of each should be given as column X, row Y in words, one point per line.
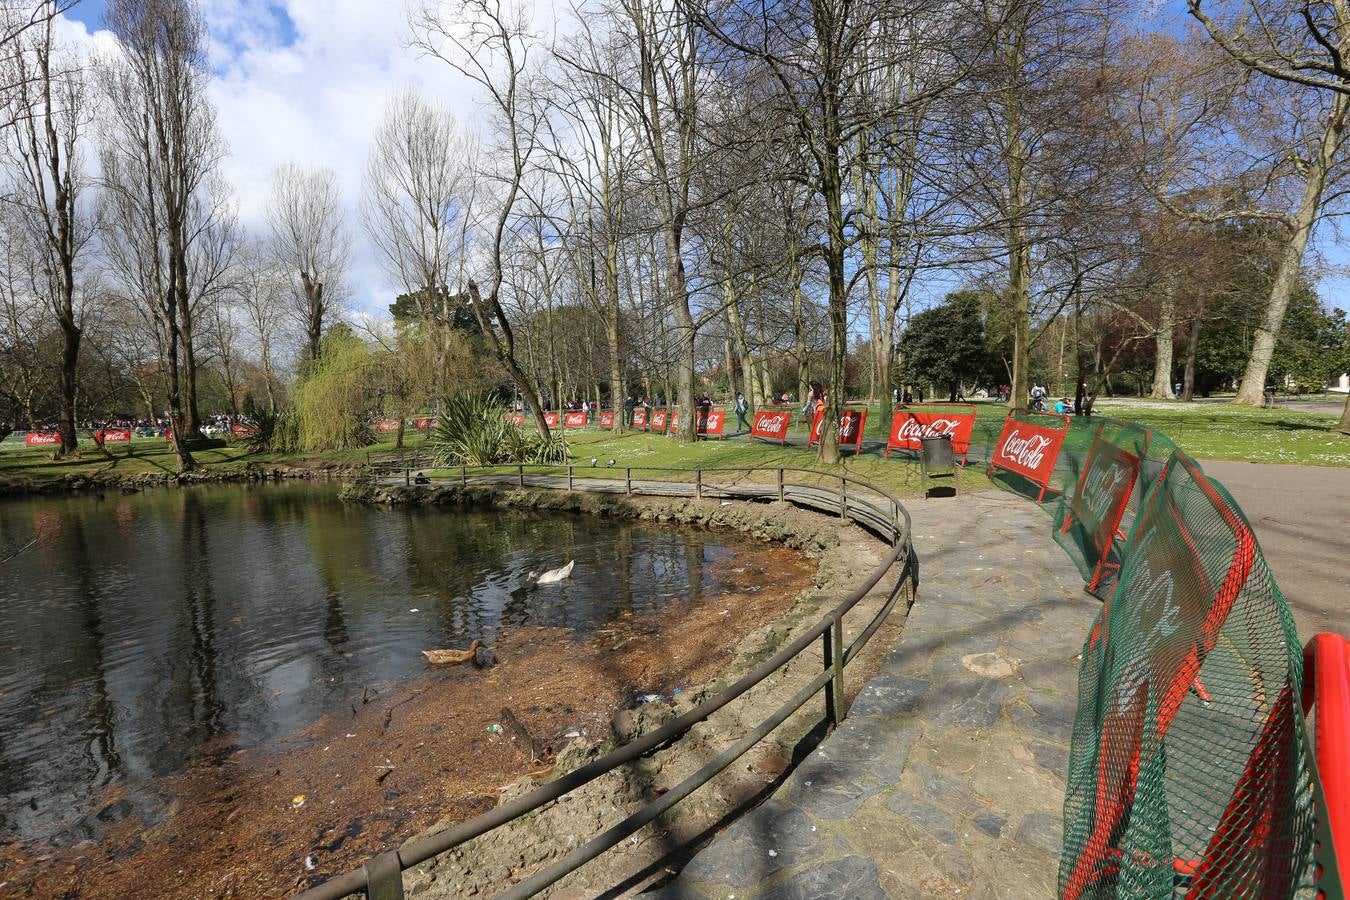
column 937, row 460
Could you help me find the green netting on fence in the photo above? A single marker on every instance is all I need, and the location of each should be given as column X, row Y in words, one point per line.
column 1104, row 465
column 1187, row 772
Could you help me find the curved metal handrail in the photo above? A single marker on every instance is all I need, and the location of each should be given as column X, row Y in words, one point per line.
column 381, row 876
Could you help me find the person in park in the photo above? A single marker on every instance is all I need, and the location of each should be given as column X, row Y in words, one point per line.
column 1063, row 406
column 742, row 408
column 1038, row 395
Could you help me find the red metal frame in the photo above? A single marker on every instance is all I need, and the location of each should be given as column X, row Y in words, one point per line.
column 993, row 467
column 819, row 429
column 968, row 409
column 770, row 410
column 1104, row 564
column 1326, row 687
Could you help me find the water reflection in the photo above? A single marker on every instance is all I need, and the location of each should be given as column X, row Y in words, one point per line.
column 145, row 632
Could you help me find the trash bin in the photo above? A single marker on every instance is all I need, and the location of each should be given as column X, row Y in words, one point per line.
column 937, row 460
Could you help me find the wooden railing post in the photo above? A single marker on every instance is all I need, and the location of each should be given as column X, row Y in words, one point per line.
column 837, row 663
column 464, row 476
column 831, row 701
column 843, row 498
column 628, row 480
column 698, row 484
column 569, row 477
column 780, row 485
column 520, row 475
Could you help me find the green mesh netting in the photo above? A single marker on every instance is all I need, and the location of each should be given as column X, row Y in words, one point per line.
column 1100, row 465
column 1187, row 773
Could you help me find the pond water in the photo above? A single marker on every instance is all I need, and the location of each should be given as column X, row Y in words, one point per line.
column 144, row 633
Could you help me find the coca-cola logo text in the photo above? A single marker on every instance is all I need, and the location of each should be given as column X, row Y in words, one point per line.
column 1101, row 486
column 913, row 429
column 1026, row 452
column 774, row 424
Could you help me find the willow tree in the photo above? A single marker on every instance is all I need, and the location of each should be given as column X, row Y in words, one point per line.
column 334, row 401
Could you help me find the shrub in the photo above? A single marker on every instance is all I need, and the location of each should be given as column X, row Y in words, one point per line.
column 474, row 431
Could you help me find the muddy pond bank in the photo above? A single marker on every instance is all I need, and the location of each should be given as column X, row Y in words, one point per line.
column 269, row 820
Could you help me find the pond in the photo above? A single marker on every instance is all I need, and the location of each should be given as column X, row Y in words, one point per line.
column 146, row 633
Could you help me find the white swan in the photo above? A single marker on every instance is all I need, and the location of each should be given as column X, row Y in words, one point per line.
column 553, row 576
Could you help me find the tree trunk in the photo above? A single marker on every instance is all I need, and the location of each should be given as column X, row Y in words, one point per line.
column 70, row 359
column 506, row 355
column 314, row 317
column 1162, row 346
column 1192, row 349
column 831, row 184
column 1252, row 390
column 1344, row 425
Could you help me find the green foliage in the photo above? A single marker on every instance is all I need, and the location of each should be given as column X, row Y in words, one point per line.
column 333, row 403
column 948, row 345
column 275, row 431
column 473, row 431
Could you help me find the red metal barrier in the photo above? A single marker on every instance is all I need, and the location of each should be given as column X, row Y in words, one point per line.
column 712, row 422
column 42, row 438
column 575, row 419
column 640, row 418
column 386, row 426
column 607, row 419
column 425, row 423
column 954, row 419
column 1326, row 690
column 658, row 423
column 551, row 419
column 851, row 425
column 113, row 436
column 1029, row 450
column 771, row 425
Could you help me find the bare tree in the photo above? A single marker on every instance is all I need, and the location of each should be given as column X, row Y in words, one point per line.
column 51, row 111
column 490, row 44
column 159, row 147
column 1303, row 44
column 310, row 239
column 260, row 290
column 418, row 190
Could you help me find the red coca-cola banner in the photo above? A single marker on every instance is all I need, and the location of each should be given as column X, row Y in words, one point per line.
column 168, row 434
column 851, row 424
column 551, row 419
column 113, row 436
column 386, row 426
column 673, row 426
column 518, row 419
column 42, row 438
column 607, row 419
column 908, row 428
column 243, row 430
column 712, row 422
column 771, row 425
column 659, row 420
column 1029, row 450
column 640, row 418
column 575, row 419
column 425, row 423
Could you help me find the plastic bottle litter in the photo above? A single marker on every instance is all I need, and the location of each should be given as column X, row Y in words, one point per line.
column 650, row 698
column 494, row 728
column 297, row 801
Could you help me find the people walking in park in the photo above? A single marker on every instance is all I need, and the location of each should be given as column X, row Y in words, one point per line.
column 1038, row 395
column 742, row 408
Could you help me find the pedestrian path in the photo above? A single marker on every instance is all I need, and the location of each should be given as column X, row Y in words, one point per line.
column 947, row 778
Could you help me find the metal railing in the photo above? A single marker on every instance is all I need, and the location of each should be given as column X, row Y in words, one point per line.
column 381, row 877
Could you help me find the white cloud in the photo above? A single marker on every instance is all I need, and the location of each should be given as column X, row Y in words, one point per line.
column 313, row 95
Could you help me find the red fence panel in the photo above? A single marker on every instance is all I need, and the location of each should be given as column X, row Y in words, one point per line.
column 640, row 418
column 574, row 419
column 517, row 419
column 771, row 425
column 386, row 426
column 908, row 427
column 851, row 425
column 42, row 438
column 1029, row 450
column 1098, row 504
column 712, row 422
column 659, row 420
column 607, row 419
column 113, row 436
column 551, row 419
column 243, row 430
column 425, row 423
column 1326, row 686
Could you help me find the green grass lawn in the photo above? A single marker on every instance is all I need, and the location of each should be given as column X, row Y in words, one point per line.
column 1204, row 430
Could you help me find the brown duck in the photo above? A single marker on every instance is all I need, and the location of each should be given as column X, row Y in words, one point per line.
column 452, row 657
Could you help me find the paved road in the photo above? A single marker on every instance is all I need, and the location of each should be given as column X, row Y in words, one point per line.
column 1301, row 515
column 947, row 779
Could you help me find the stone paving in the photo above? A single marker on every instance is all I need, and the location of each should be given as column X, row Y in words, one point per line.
column 947, row 778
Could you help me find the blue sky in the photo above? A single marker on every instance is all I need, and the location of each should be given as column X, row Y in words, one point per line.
column 306, row 81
